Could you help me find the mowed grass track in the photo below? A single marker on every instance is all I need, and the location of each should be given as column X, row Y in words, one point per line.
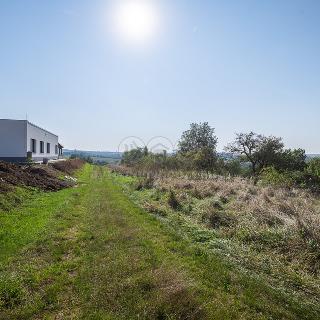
column 90, row 253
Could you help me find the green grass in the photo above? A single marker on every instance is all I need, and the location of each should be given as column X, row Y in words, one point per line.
column 90, row 253
column 13, row 198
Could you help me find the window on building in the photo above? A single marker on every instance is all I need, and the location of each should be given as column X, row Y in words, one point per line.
column 48, row 147
column 33, row 145
column 56, row 149
column 41, row 147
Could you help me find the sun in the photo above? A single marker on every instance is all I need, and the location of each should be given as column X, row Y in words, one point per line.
column 135, row 21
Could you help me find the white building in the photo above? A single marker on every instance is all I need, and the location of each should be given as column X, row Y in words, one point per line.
column 20, row 140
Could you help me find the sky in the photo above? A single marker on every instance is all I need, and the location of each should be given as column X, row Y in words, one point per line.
column 242, row 66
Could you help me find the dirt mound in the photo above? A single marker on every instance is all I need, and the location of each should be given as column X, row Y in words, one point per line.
column 42, row 177
column 68, row 166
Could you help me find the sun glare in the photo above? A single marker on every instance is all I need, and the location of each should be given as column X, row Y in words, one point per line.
column 135, row 21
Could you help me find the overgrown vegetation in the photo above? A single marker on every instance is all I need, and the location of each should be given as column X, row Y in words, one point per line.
column 258, row 205
column 270, row 232
column 90, row 253
column 249, row 155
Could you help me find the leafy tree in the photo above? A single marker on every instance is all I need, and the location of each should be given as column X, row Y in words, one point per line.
column 198, row 145
column 263, row 152
column 201, row 159
column 291, row 160
column 199, row 136
column 269, row 151
column 133, row 156
column 259, row 150
column 247, row 145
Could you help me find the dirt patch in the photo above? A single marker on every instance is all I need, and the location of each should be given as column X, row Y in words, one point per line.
column 69, row 166
column 38, row 176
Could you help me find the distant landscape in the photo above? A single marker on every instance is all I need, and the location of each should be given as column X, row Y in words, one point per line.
column 97, row 156
column 115, row 157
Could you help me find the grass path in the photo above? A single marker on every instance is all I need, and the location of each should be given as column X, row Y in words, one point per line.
column 90, row 253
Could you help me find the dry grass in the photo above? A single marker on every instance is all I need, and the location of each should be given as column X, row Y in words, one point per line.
column 285, row 221
column 69, row 166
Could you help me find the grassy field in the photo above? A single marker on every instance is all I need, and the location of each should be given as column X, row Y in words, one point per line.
column 90, row 253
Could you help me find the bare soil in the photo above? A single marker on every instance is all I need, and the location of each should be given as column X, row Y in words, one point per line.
column 69, row 166
column 38, row 176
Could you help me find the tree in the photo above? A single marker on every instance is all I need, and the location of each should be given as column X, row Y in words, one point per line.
column 201, row 159
column 291, row 160
column 269, row 151
column 199, row 136
column 133, row 156
column 259, row 150
column 246, row 145
column 198, row 144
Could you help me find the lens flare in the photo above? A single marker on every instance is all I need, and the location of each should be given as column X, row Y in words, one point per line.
column 135, row 21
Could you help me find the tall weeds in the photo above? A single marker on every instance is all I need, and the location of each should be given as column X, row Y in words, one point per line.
column 285, row 220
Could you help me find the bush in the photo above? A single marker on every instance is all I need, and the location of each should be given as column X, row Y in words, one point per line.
column 313, row 168
column 271, row 176
column 312, row 175
column 133, row 156
column 173, row 201
column 232, row 167
column 219, row 219
column 291, row 160
column 145, row 183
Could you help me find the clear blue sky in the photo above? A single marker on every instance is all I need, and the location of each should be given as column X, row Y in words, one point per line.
column 240, row 65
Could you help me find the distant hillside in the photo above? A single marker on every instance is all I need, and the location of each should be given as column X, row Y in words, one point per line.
column 97, row 156
column 315, row 155
column 118, row 155
column 100, row 154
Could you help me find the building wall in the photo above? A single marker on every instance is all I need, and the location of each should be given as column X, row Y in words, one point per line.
column 39, row 134
column 13, row 135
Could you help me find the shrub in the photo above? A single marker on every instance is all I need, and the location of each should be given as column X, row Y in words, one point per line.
column 233, row 167
column 173, row 201
column 312, row 175
column 270, row 175
column 219, row 219
column 145, row 183
column 133, row 156
column 291, row 160
column 313, row 168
